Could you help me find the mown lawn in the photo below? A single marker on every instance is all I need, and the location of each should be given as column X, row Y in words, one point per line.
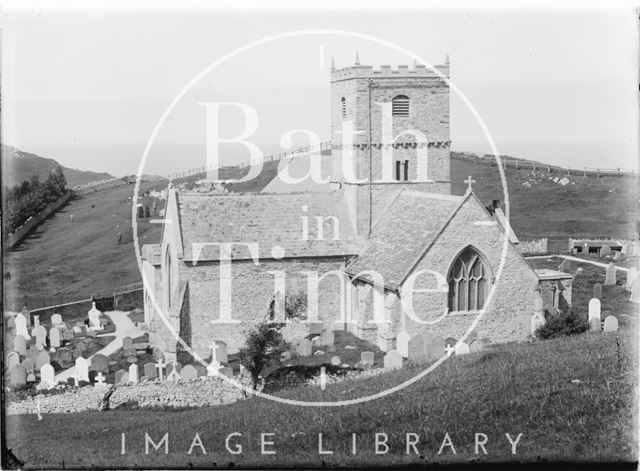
column 572, row 399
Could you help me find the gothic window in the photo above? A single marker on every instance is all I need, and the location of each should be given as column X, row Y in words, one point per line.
column 468, row 281
column 400, row 106
column 402, row 170
column 343, row 106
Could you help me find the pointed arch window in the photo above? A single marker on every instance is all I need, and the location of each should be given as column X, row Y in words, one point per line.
column 469, row 279
column 343, row 107
column 400, row 106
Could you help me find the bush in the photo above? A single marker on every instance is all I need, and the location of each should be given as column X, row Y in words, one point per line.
column 262, row 350
column 563, row 324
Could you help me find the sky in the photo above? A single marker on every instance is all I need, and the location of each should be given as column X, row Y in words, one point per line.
column 86, row 86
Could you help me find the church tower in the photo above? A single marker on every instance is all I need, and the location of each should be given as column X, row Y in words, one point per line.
column 400, row 123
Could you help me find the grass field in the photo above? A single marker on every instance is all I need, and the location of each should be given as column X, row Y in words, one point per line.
column 572, row 399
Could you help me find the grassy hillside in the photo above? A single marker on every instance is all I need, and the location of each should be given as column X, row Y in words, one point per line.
column 18, row 166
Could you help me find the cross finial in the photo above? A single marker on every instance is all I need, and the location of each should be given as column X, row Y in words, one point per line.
column 357, row 58
column 469, row 182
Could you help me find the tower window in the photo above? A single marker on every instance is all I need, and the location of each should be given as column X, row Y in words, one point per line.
column 343, row 106
column 468, row 282
column 400, row 106
column 402, row 170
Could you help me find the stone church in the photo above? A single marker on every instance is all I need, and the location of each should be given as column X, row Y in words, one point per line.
column 388, row 251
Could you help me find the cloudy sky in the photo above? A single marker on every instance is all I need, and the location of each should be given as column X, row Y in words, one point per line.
column 87, row 86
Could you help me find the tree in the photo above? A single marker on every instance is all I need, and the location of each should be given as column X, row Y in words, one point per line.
column 262, row 349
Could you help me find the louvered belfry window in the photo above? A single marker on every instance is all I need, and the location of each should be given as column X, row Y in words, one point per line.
column 343, row 107
column 400, row 106
column 468, row 282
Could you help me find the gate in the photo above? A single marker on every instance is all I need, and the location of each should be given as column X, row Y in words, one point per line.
column 103, row 304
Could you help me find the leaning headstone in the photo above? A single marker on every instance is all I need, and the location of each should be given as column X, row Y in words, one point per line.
column 47, row 376
column 56, row 319
column 82, row 369
column 335, row 360
column 304, row 348
column 393, row 359
column 99, row 362
column 611, row 324
column 462, row 349
column 610, row 277
column 605, row 251
column 436, row 348
column 632, row 275
column 13, row 359
column 54, row 337
column 328, row 337
column 21, row 326
column 594, row 309
column 119, row 374
column 597, row 291
column 18, row 375
column 133, row 374
column 366, row 358
column 402, row 343
column 40, row 333
column 42, row 359
column 20, row 345
column 150, row 370
column 189, row 372
column 594, row 324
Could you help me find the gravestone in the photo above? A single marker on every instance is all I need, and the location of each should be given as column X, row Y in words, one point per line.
column 42, row 359
column 417, row 349
column 578, row 271
column 77, row 330
column 393, row 359
column 476, row 346
column 21, row 326
column 610, row 276
column 13, row 359
column 402, row 343
column 201, row 370
column 29, row 364
column 17, row 375
column 632, row 275
column 611, row 324
column 605, row 251
column 565, row 266
column 617, row 255
column 119, row 374
column 315, row 328
column 27, row 315
column 31, row 378
column 635, row 291
column 56, row 319
column 436, row 348
column 450, row 342
column 20, row 345
column 304, row 348
column 219, row 352
column 100, row 381
column 597, row 291
column 462, row 349
column 366, row 358
column 94, row 317
column 68, row 335
column 11, row 322
column 47, row 376
column 226, row 371
column 537, row 321
column 150, row 371
column 64, row 355
column 328, row 337
column 335, row 360
column 36, row 321
column 127, row 342
column 54, row 337
column 594, row 324
column 99, row 362
column 133, row 374
column 594, row 309
column 189, row 372
column 82, row 369
column 40, row 333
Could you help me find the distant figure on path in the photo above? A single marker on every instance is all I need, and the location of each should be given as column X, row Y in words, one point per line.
column 71, row 217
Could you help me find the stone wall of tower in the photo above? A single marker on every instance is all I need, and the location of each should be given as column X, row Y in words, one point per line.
column 361, row 86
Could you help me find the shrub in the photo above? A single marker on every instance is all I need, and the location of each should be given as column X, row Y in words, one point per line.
column 262, row 349
column 569, row 323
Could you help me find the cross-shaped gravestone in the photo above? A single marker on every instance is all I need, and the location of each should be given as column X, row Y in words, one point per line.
column 469, row 182
column 100, row 380
column 449, row 349
column 160, row 366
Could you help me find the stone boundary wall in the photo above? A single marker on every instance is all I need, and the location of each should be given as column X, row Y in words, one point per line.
column 204, row 391
column 23, row 231
column 530, row 247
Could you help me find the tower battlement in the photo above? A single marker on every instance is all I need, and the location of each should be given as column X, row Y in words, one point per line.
column 401, row 71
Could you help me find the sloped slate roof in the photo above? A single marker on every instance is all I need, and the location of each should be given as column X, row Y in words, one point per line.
column 267, row 219
column 410, row 223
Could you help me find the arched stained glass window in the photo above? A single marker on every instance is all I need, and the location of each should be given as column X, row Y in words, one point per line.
column 468, row 281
